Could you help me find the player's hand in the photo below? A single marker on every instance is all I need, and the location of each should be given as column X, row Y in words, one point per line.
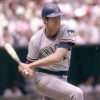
column 25, row 70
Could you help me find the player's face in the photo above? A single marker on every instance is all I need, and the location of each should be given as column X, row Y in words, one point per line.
column 53, row 23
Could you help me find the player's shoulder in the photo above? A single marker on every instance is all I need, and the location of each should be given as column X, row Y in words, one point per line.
column 67, row 28
column 66, row 31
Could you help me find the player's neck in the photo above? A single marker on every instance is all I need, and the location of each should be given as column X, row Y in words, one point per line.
column 51, row 33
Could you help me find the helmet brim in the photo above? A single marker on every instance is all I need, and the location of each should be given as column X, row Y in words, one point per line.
column 55, row 14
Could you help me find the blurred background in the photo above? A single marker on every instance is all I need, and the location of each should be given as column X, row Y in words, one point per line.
column 21, row 19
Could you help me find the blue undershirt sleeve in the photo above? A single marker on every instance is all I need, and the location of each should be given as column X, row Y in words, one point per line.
column 64, row 45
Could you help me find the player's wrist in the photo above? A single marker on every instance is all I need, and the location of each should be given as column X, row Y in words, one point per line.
column 30, row 66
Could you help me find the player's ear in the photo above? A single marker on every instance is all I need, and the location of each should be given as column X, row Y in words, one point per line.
column 45, row 19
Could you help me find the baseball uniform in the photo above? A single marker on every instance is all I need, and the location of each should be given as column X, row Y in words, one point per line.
column 51, row 80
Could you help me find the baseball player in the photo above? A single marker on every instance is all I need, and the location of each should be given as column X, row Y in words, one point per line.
column 49, row 52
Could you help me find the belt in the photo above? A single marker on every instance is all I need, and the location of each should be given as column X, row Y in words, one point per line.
column 59, row 73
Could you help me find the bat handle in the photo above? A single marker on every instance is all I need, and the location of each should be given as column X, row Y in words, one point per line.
column 18, row 61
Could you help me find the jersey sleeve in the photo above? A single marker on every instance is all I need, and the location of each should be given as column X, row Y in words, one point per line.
column 67, row 39
column 68, row 36
column 64, row 45
column 33, row 51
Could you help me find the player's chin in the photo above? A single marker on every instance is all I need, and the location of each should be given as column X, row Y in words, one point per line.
column 57, row 28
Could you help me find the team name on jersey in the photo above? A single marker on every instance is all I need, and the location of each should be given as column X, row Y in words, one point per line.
column 49, row 50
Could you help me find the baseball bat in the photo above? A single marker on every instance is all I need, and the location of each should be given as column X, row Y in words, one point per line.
column 13, row 54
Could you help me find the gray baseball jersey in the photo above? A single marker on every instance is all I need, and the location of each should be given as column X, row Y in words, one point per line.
column 41, row 46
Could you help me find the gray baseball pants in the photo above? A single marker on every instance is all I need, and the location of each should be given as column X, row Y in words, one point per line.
column 56, row 88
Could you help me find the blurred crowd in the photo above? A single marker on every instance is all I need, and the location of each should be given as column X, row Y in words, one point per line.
column 20, row 19
column 91, row 87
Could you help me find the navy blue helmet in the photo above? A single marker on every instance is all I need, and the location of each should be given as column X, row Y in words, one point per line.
column 51, row 10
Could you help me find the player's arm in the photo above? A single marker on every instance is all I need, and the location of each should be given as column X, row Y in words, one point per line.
column 53, row 58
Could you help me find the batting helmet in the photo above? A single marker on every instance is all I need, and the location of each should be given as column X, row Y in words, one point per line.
column 51, row 10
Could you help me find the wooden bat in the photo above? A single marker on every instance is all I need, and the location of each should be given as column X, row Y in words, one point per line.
column 12, row 52
column 14, row 55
